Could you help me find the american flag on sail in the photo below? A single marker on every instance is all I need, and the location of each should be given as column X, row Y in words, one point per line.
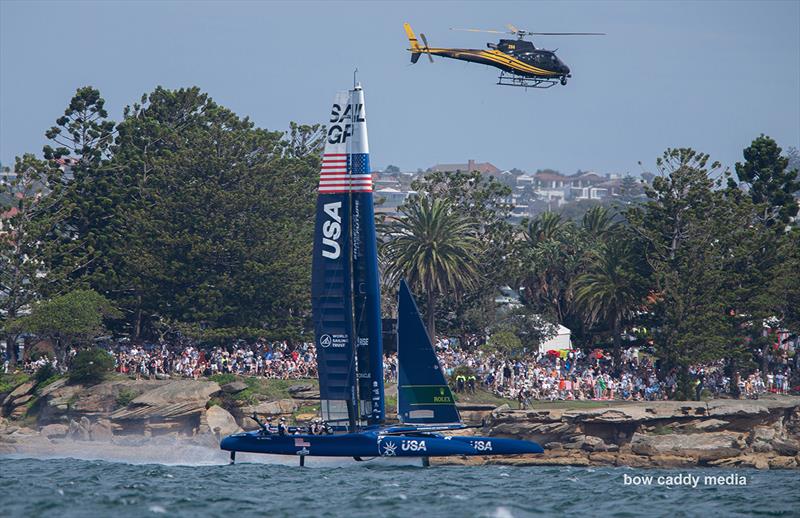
column 342, row 172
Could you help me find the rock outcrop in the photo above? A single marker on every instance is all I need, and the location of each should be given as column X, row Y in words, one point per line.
column 272, row 408
column 176, row 406
column 763, row 434
column 220, row 422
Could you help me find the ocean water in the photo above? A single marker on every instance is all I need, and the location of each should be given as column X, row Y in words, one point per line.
column 64, row 487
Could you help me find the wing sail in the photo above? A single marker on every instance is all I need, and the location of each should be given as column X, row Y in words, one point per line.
column 331, row 277
column 366, row 289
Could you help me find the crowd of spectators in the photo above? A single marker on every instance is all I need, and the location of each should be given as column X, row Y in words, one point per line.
column 576, row 375
column 556, row 375
column 266, row 359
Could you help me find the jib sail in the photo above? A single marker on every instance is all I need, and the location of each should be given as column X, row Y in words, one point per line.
column 423, row 396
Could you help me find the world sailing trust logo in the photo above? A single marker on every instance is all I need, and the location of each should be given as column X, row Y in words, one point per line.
column 327, row 340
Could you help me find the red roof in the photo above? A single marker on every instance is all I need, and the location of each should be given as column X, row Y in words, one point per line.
column 549, row 176
column 10, row 213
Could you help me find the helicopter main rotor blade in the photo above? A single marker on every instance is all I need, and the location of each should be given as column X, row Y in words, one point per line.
column 425, row 41
column 511, row 28
column 568, row 33
column 478, row 30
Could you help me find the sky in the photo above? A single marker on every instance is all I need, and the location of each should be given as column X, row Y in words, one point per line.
column 707, row 75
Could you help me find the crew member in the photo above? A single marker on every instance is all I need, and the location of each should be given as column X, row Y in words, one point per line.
column 282, row 428
column 264, row 428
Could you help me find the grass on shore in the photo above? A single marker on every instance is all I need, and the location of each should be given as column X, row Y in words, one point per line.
column 262, row 389
column 9, row 382
column 483, row 397
column 576, row 404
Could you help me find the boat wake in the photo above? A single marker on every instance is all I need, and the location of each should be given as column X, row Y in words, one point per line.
column 171, row 451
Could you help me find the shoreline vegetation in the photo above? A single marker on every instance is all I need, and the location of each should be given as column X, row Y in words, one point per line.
column 175, row 420
column 184, row 223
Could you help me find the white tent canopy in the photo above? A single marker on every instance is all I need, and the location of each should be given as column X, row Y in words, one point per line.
column 560, row 341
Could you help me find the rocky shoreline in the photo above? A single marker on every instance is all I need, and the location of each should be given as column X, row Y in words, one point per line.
column 762, row 434
column 128, row 414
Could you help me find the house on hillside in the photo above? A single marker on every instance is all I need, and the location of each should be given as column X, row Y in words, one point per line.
column 388, row 199
column 471, row 165
column 551, row 188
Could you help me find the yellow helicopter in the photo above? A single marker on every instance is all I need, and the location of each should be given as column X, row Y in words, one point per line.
column 519, row 61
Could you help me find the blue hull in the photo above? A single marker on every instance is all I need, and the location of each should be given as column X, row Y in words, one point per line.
column 373, row 443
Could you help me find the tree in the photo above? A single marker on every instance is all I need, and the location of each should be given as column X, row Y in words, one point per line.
column 771, row 183
column 485, row 201
column 191, row 219
column 689, row 231
column 551, row 253
column 611, row 290
column 504, row 342
column 783, row 291
column 221, row 231
column 630, row 189
column 434, row 248
column 83, row 130
column 72, row 319
column 91, row 366
column 26, row 215
column 83, row 247
column 598, row 222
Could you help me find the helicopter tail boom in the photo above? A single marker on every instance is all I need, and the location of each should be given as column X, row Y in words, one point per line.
column 415, row 49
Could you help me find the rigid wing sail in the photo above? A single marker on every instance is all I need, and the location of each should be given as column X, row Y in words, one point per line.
column 344, row 285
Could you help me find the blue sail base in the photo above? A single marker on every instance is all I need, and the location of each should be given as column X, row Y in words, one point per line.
column 374, row 443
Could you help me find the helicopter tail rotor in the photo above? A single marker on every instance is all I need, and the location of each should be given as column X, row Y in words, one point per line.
column 426, row 49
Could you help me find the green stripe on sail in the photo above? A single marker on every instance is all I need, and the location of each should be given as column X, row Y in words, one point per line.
column 427, row 395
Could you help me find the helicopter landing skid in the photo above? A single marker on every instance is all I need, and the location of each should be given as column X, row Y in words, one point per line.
column 525, row 82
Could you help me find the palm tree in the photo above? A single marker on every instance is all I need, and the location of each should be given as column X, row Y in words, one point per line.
column 599, row 221
column 544, row 227
column 434, row 248
column 610, row 290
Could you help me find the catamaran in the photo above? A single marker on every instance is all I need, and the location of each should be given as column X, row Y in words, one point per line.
column 345, row 294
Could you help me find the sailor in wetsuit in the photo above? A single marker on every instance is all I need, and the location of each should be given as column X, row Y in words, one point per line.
column 282, row 428
column 264, row 428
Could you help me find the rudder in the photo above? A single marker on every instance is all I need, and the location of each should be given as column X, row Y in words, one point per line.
column 412, row 38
